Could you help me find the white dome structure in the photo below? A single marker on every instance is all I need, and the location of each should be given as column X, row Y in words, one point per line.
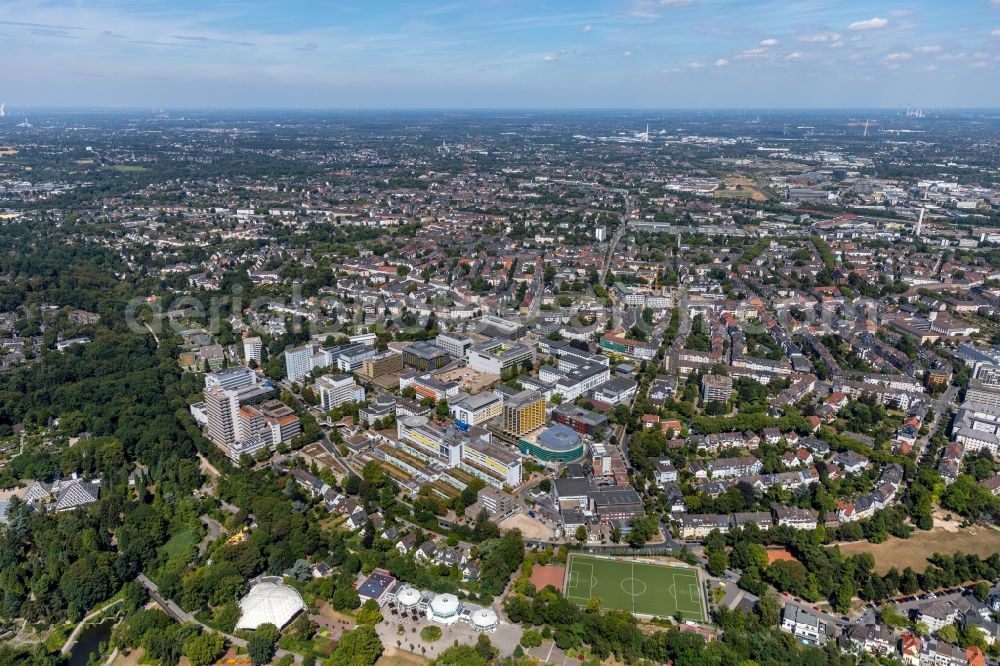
column 272, row 603
column 484, row 619
column 444, row 609
column 408, row 597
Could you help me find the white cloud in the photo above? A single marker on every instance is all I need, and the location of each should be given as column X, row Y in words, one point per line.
column 837, row 44
column 770, row 41
column 869, row 24
column 930, row 68
column 822, row 38
column 796, row 55
column 676, row 3
column 548, row 57
column 893, row 57
column 644, row 9
column 933, row 48
column 586, row 28
column 627, row 54
column 721, row 62
column 690, row 67
column 996, row 33
column 751, row 53
column 949, row 57
column 980, row 64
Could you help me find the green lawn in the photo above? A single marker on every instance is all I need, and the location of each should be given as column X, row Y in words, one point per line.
column 179, row 542
column 639, row 587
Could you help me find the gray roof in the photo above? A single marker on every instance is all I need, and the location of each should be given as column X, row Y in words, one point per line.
column 572, row 487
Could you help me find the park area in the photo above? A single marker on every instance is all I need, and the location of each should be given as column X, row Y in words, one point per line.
column 915, row 551
column 642, row 588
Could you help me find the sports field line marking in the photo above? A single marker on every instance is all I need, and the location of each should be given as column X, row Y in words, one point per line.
column 632, row 574
column 579, row 576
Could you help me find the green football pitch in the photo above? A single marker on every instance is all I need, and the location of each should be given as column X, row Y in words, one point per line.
column 638, row 587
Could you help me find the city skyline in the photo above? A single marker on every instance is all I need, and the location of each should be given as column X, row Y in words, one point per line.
column 500, row 54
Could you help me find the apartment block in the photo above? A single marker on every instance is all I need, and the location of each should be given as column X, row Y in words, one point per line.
column 716, row 388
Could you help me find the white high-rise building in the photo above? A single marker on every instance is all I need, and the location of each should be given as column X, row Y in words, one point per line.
column 223, row 408
column 298, row 362
column 252, row 348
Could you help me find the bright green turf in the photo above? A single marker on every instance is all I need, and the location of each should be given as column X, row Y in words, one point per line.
column 638, row 587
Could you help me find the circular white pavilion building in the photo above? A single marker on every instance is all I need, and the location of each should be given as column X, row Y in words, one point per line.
column 484, row 619
column 407, row 598
column 444, row 609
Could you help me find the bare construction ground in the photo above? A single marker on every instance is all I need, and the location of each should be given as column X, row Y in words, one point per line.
column 530, row 528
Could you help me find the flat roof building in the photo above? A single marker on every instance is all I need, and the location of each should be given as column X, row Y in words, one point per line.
column 478, row 408
column 524, row 412
column 425, row 356
column 716, row 388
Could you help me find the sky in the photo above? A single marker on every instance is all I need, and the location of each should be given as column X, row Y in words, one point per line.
column 500, row 53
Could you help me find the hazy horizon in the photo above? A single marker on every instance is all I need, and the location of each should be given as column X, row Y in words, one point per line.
column 14, row 111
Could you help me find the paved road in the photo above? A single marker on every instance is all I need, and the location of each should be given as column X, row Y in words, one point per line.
column 940, row 409
column 207, row 467
column 215, row 530
column 538, row 282
column 619, row 232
